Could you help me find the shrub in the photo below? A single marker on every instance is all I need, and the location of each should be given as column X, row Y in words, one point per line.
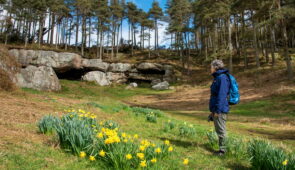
column 47, row 125
column 266, row 156
column 6, row 83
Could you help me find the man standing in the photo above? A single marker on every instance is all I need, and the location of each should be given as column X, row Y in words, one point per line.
column 219, row 105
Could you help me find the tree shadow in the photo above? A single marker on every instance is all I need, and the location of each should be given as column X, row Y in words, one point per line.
column 237, row 166
column 181, row 143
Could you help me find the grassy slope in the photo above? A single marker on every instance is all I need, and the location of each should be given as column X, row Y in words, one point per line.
column 36, row 151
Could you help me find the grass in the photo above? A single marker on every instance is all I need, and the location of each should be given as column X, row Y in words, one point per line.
column 274, row 107
column 41, row 152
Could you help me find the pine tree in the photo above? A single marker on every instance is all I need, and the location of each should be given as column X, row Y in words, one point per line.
column 156, row 13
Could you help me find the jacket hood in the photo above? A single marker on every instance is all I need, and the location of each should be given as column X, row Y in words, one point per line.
column 218, row 72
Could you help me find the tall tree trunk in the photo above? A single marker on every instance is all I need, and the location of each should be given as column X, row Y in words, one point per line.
column 286, row 50
column 255, row 43
column 77, row 32
column 52, row 28
column 101, row 42
column 89, row 36
column 230, row 46
column 49, row 26
column 40, row 30
column 83, row 34
column 243, row 46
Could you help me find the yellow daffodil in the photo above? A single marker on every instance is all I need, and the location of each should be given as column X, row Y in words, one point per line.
column 185, row 161
column 141, row 148
column 82, row 154
column 125, row 140
column 102, row 153
column 124, row 135
column 100, row 123
column 158, row 150
column 140, row 155
column 93, row 116
column 128, row 156
column 135, row 136
column 91, row 158
column 143, row 164
column 154, row 160
column 285, row 162
column 167, row 142
column 153, row 145
column 99, row 135
column 170, row 149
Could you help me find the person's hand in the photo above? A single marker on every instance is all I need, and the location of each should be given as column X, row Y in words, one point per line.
column 210, row 117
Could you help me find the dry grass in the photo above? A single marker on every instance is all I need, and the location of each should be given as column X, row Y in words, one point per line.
column 8, row 67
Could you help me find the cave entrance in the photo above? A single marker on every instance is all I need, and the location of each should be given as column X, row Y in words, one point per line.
column 140, row 82
column 72, row 74
column 159, row 72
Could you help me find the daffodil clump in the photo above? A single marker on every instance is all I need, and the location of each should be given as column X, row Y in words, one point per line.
column 186, row 129
column 47, row 124
column 151, row 117
column 81, row 133
column 266, row 156
column 169, row 125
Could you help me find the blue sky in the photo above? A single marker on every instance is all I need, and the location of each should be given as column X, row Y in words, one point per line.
column 146, row 4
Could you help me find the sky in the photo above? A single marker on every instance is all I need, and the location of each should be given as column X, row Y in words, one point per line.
column 142, row 4
column 146, row 4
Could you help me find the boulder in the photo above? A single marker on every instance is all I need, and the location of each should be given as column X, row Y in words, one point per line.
column 117, row 78
column 58, row 61
column 156, row 81
column 144, row 77
column 120, row 67
column 95, row 65
column 169, row 74
column 161, row 86
column 149, row 66
column 98, row 77
column 131, row 86
column 41, row 78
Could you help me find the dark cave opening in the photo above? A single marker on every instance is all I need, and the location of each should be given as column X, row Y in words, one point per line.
column 159, row 72
column 72, row 74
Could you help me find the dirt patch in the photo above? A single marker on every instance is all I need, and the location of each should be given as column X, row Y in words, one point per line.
column 190, row 98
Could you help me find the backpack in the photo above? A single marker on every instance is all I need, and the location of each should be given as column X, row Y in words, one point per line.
column 234, row 95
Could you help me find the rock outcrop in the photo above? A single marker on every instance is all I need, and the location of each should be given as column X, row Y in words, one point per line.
column 95, row 65
column 73, row 66
column 161, row 86
column 98, row 77
column 41, row 78
column 58, row 61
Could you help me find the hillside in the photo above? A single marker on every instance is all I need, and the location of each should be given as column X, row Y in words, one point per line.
column 266, row 112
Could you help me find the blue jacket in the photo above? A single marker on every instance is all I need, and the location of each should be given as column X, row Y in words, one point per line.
column 219, row 92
